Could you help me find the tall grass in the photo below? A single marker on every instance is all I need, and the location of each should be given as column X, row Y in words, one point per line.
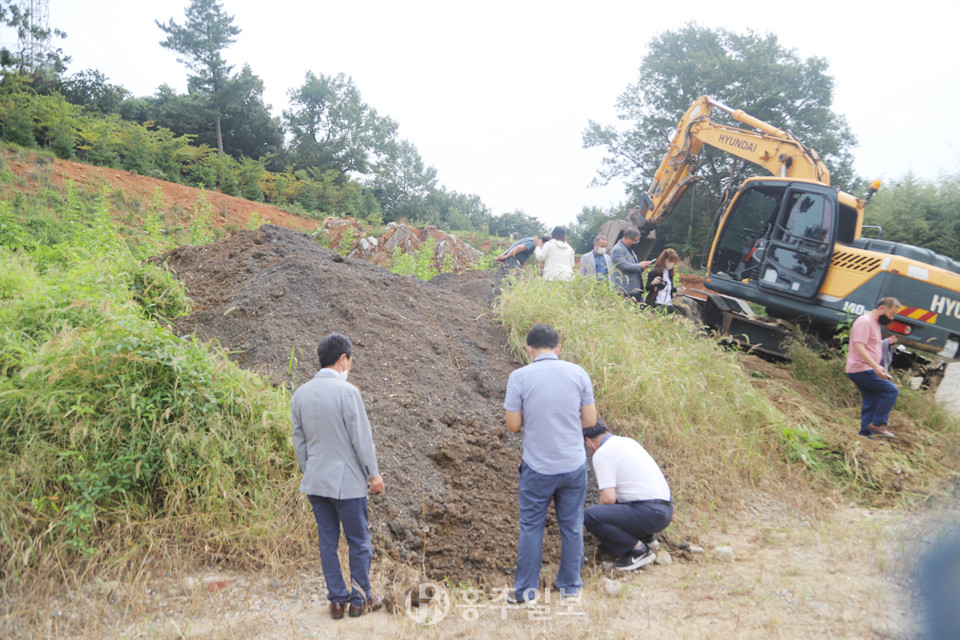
column 115, row 434
column 658, row 380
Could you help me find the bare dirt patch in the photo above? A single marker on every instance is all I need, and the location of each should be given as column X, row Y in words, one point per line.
column 180, row 199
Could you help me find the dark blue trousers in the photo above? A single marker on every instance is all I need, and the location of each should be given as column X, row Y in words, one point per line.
column 621, row 525
column 879, row 396
column 537, row 490
column 330, row 514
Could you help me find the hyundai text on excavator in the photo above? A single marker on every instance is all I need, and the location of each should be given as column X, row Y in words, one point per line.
column 794, row 244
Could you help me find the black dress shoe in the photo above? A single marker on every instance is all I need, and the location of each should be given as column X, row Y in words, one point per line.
column 374, row 603
column 336, row 610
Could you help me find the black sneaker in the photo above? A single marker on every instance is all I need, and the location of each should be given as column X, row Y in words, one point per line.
column 637, row 558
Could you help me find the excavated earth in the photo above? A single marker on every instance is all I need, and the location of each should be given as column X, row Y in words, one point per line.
column 430, row 362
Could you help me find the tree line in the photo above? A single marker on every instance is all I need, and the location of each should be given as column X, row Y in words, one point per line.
column 329, row 152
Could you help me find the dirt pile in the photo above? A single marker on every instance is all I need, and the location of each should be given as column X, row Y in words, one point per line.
column 346, row 236
column 429, row 361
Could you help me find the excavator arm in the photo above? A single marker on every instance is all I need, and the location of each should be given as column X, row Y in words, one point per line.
column 777, row 151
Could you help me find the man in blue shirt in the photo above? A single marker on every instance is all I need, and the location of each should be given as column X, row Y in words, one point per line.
column 598, row 262
column 520, row 251
column 552, row 400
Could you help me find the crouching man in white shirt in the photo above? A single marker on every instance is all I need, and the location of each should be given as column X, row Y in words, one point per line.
column 634, row 498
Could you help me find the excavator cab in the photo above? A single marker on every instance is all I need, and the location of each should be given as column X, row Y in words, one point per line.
column 778, row 236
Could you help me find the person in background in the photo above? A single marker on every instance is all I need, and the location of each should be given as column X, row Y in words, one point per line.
column 337, row 457
column 660, row 285
column 865, row 370
column 552, row 401
column 520, row 251
column 597, row 262
column 557, row 256
column 628, row 271
column 635, row 500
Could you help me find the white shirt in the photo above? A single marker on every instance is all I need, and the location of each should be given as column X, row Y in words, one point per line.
column 558, row 260
column 623, row 464
column 665, row 295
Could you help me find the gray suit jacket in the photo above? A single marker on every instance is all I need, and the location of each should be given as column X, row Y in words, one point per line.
column 628, row 274
column 588, row 265
column 332, row 438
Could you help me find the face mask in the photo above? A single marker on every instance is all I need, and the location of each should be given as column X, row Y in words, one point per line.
column 884, row 320
column 601, row 251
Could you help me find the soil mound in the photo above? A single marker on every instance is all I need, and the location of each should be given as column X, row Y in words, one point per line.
column 431, row 366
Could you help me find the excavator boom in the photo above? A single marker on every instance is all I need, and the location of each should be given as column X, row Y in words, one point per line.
column 777, row 151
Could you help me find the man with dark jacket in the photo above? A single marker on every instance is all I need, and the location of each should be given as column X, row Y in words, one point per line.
column 628, row 271
column 336, row 454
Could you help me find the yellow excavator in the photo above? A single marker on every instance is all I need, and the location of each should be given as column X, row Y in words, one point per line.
column 793, row 244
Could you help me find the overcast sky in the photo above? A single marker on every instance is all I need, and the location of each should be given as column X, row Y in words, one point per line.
column 495, row 94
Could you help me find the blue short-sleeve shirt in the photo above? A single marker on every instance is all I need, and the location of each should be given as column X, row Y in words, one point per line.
column 550, row 391
column 521, row 258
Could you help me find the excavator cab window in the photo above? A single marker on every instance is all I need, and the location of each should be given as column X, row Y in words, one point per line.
column 797, row 257
column 846, row 224
column 743, row 230
column 808, row 218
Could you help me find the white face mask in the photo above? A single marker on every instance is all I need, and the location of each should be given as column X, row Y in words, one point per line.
column 344, row 374
column 601, row 251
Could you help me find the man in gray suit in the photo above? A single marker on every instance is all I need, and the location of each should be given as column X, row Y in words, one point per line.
column 336, row 454
column 628, row 272
column 597, row 263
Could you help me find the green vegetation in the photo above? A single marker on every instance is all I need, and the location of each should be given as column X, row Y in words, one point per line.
column 716, row 429
column 421, row 264
column 115, row 434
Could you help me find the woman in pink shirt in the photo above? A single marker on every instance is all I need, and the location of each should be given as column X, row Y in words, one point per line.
column 864, row 368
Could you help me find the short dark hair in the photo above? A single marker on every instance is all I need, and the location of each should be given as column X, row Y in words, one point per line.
column 597, row 240
column 332, row 347
column 542, row 336
column 596, row 430
column 631, row 233
column 559, row 234
column 545, row 238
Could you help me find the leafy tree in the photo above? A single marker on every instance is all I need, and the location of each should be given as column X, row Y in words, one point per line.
column 333, row 129
column 749, row 71
column 403, row 184
column 91, row 90
column 247, row 128
column 458, row 211
column 200, row 41
column 582, row 232
column 517, row 223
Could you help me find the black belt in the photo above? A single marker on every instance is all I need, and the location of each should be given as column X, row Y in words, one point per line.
column 666, row 502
